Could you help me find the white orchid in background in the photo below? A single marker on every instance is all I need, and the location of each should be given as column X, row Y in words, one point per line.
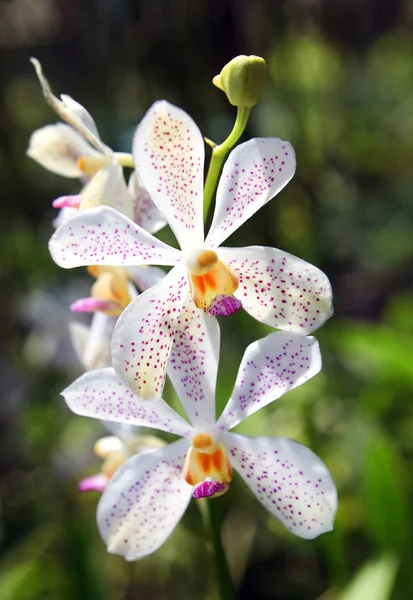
column 273, row 286
column 111, row 293
column 114, row 450
column 76, row 150
column 147, row 496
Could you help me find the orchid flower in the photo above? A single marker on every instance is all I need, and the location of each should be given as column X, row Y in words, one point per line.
column 147, row 496
column 114, row 450
column 273, row 286
column 111, row 293
column 76, row 150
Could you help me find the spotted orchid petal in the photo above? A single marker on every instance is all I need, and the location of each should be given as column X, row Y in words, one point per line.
column 58, row 148
column 289, row 480
column 108, row 188
column 253, row 174
column 168, row 150
column 144, row 501
column 102, row 395
column 145, row 277
column 144, row 334
column 280, row 289
column 80, row 113
column 193, row 363
column 270, row 368
column 146, row 214
column 103, row 236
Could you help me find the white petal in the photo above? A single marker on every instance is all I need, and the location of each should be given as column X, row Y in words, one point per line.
column 144, row 334
column 270, row 368
column 101, row 395
column 144, row 501
column 280, row 289
column 80, row 113
column 64, row 215
column 96, row 353
column 146, row 214
column 288, row 479
column 58, row 148
column 253, row 174
column 108, row 188
column 193, row 364
column 145, row 277
column 168, row 150
column 103, row 236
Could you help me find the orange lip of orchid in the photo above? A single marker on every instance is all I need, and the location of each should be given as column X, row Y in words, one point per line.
column 207, row 467
column 209, row 277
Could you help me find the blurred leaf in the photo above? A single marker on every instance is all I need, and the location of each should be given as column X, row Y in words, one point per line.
column 375, row 580
column 384, row 494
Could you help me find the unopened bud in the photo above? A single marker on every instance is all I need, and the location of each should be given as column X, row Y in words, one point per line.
column 242, row 80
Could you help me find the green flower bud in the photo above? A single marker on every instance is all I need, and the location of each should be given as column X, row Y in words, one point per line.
column 242, row 80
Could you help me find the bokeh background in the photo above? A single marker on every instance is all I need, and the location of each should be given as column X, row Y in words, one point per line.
column 340, row 88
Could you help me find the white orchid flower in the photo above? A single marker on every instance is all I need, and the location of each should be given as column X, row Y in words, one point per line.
column 147, row 496
column 114, row 450
column 273, row 286
column 76, row 150
column 111, row 293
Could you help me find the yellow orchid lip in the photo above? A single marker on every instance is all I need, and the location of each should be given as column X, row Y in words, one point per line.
column 209, row 277
column 207, row 467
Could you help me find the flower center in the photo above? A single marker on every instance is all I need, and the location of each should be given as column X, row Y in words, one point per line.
column 207, row 467
column 209, row 277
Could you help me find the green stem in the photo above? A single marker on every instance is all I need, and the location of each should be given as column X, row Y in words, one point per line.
column 225, row 586
column 219, row 153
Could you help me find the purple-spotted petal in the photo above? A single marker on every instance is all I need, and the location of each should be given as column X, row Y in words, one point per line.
column 253, row 174
column 94, row 483
column 223, row 306
column 103, row 236
column 58, row 148
column 279, row 289
column 144, row 334
column 270, row 368
column 146, row 214
column 193, row 363
column 144, row 501
column 168, row 150
column 101, row 395
column 291, row 482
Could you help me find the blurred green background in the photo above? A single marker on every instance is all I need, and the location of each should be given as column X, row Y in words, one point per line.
column 340, row 88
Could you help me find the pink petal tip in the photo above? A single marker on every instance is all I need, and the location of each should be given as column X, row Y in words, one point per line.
column 94, row 483
column 223, row 306
column 67, row 201
column 92, row 305
column 208, row 488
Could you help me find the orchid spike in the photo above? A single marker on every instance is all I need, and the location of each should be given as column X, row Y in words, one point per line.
column 148, row 494
column 274, row 287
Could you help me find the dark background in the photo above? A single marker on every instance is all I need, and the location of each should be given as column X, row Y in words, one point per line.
column 340, row 88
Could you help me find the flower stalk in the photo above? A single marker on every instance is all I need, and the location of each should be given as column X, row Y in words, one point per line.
column 219, row 153
column 225, row 586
